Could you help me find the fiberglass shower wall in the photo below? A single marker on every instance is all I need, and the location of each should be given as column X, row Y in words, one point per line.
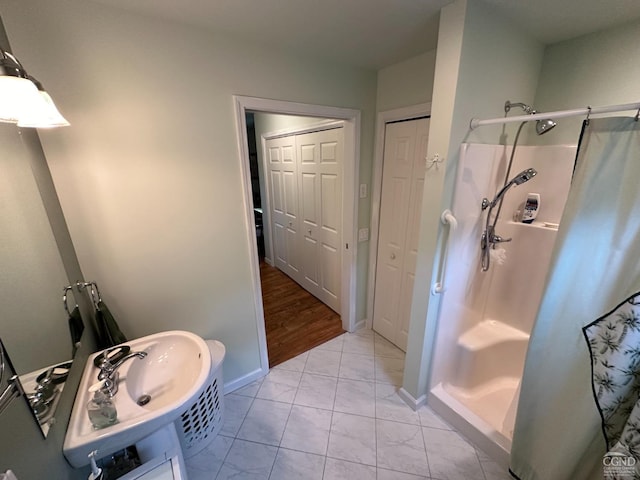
column 486, row 317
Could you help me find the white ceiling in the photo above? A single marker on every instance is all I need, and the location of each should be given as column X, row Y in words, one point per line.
column 374, row 33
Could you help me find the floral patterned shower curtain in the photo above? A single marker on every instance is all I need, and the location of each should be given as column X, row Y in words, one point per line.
column 614, row 345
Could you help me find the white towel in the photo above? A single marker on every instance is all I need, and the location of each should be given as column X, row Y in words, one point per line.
column 8, row 476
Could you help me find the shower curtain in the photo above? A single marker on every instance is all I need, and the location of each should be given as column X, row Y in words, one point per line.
column 596, row 266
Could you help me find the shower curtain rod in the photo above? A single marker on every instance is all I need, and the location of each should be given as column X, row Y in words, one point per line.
column 475, row 122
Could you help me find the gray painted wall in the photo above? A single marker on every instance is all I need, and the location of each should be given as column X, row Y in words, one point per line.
column 406, row 83
column 598, row 69
column 149, row 174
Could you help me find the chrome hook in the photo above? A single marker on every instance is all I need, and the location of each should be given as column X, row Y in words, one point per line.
column 64, row 298
column 96, row 298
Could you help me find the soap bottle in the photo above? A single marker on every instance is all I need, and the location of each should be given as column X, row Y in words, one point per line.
column 531, row 207
column 101, row 410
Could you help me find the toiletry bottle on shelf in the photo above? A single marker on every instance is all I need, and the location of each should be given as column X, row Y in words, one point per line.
column 101, row 410
column 531, row 207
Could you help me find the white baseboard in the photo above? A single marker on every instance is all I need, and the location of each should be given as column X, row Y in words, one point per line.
column 243, row 381
column 361, row 324
column 414, row 403
column 268, row 261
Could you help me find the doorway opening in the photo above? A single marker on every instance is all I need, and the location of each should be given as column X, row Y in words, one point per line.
column 278, row 295
column 296, row 173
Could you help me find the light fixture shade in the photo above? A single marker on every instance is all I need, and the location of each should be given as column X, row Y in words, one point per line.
column 43, row 114
column 17, row 95
column 23, row 100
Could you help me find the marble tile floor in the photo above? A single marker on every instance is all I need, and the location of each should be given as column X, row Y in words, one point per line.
column 333, row 413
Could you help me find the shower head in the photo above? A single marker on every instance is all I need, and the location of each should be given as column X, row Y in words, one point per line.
column 527, row 108
column 519, row 179
column 542, row 126
column 524, row 176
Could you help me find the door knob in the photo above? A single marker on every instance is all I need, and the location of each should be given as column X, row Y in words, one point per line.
column 393, row 256
column 309, row 231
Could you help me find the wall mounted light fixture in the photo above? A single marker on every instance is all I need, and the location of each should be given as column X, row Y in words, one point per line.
column 23, row 100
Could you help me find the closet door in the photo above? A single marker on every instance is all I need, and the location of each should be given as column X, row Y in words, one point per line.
column 305, row 185
column 402, row 186
column 319, row 163
column 283, row 186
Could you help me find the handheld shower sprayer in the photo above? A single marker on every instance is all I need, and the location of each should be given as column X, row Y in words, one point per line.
column 490, row 238
column 519, row 179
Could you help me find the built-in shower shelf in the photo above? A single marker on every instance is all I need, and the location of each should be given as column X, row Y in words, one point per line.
column 488, row 333
column 536, row 224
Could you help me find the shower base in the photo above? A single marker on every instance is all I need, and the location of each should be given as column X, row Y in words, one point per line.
column 485, row 415
column 480, row 396
column 495, row 403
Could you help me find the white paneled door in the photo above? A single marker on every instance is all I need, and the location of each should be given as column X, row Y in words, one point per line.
column 283, row 186
column 404, row 164
column 306, row 210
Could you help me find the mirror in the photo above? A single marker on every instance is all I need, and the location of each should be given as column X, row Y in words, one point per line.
column 35, row 326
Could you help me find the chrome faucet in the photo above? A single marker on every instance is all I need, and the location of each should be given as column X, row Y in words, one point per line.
column 489, row 237
column 109, row 372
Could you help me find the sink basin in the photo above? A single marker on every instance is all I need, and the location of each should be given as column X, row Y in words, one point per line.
column 174, row 371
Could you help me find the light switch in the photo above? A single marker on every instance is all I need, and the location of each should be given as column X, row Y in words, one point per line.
column 363, row 190
column 363, row 235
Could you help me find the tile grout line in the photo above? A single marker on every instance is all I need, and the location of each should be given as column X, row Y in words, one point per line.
column 288, row 418
column 335, row 395
column 424, row 442
column 375, row 420
column 253, row 399
column 225, row 457
column 235, row 435
column 479, row 461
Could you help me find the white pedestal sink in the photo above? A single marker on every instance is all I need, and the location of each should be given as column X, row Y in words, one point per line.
column 174, row 372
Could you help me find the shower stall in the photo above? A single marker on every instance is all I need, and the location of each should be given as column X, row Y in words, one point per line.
column 487, row 314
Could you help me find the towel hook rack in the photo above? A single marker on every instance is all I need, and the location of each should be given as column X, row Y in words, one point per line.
column 95, row 291
column 65, row 290
column 13, row 387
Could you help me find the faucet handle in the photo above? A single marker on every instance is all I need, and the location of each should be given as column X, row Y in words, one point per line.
column 499, row 239
column 106, row 366
column 113, row 354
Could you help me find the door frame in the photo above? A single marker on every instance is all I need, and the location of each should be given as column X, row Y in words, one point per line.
column 387, row 116
column 350, row 186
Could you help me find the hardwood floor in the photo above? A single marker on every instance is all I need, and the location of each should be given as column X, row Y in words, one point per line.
column 295, row 320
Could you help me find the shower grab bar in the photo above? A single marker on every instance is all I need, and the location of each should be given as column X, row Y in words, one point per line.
column 446, row 218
